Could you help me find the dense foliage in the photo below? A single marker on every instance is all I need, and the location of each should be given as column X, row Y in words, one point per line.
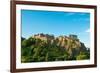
column 37, row 50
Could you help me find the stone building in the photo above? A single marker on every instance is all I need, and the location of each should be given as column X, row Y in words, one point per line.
column 44, row 36
column 73, row 36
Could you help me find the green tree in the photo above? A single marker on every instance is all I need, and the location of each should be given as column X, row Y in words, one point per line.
column 83, row 56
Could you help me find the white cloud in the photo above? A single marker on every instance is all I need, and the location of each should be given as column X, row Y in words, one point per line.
column 88, row 30
column 71, row 13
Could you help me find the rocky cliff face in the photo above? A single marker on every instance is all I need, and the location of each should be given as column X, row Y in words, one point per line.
column 45, row 47
column 70, row 43
column 44, row 36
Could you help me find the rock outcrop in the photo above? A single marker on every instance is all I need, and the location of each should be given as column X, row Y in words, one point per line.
column 70, row 43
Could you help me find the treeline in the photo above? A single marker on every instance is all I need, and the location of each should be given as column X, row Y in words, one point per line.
column 37, row 50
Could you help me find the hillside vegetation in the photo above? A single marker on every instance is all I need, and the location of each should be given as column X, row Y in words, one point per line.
column 45, row 47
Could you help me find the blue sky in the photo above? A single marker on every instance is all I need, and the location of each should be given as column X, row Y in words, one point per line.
column 56, row 23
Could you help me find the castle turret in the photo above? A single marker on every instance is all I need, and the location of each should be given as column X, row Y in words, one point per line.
column 73, row 36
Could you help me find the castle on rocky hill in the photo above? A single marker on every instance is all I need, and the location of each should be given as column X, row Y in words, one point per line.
column 51, row 37
column 44, row 36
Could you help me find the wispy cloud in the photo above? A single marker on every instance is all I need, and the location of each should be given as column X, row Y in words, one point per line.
column 88, row 30
column 72, row 13
column 78, row 13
